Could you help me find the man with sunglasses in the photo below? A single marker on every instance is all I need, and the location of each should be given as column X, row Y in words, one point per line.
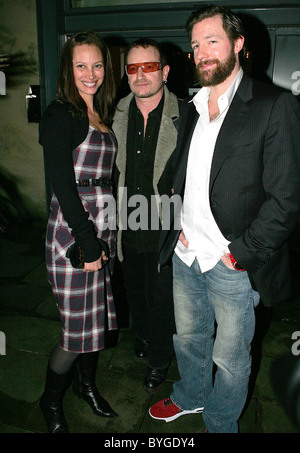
column 145, row 126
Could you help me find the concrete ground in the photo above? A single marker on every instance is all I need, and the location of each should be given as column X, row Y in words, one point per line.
column 29, row 327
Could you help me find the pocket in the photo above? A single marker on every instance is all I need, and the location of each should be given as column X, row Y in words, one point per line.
column 230, row 269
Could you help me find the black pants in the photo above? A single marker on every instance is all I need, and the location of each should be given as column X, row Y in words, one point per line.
column 150, row 298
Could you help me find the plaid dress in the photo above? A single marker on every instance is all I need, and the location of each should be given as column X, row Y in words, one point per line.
column 85, row 300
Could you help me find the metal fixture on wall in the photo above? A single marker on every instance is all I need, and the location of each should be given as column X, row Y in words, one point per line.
column 33, row 104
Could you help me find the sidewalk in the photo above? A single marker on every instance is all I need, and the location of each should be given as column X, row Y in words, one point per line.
column 30, row 323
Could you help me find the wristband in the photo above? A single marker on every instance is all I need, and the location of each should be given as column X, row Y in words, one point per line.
column 236, row 265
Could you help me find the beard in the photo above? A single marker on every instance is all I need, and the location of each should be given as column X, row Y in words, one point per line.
column 213, row 77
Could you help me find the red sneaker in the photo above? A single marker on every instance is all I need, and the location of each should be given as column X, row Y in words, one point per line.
column 168, row 411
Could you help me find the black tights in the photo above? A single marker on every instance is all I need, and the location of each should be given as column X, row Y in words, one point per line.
column 60, row 361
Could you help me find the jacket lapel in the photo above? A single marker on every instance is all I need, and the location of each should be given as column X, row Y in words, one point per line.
column 190, row 123
column 231, row 127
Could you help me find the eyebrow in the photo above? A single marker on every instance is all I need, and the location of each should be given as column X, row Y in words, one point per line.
column 212, row 35
column 80, row 61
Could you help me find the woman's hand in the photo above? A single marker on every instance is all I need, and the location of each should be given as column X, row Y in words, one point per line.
column 95, row 266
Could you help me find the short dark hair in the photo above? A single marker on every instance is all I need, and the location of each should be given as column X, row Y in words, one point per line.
column 148, row 42
column 232, row 24
column 66, row 88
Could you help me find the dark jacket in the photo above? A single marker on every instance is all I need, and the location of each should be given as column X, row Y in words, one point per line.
column 254, row 182
column 166, row 143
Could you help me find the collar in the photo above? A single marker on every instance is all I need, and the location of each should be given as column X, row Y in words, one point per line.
column 134, row 110
column 200, row 99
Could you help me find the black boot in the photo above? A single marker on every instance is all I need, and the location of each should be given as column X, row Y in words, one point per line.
column 84, row 385
column 51, row 402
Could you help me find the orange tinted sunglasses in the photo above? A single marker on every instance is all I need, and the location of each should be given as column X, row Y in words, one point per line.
column 150, row 66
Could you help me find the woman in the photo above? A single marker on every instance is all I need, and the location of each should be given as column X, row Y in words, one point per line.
column 79, row 153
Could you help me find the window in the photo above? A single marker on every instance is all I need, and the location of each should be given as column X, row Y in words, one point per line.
column 287, row 62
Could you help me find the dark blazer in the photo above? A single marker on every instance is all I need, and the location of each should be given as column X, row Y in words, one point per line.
column 254, row 182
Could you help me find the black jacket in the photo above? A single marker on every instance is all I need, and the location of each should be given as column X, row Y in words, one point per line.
column 254, row 183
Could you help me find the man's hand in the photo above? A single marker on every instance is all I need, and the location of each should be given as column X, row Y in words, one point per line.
column 226, row 260
column 183, row 239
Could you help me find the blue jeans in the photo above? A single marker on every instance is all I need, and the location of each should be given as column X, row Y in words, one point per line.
column 215, row 322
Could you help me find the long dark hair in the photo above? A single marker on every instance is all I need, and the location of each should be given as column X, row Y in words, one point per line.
column 66, row 88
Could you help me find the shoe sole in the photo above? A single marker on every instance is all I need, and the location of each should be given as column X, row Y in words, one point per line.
column 170, row 419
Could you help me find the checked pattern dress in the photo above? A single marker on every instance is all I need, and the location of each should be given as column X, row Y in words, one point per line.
column 85, row 300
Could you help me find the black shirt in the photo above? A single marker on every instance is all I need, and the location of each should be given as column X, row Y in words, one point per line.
column 139, row 179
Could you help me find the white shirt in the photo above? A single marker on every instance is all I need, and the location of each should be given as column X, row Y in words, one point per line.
column 206, row 242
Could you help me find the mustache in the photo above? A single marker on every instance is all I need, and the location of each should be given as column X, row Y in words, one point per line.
column 205, row 62
column 140, row 82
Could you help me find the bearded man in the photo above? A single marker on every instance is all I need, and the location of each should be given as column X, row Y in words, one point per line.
column 237, row 169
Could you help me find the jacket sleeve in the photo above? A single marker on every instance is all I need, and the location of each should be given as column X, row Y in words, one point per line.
column 279, row 212
column 56, row 137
